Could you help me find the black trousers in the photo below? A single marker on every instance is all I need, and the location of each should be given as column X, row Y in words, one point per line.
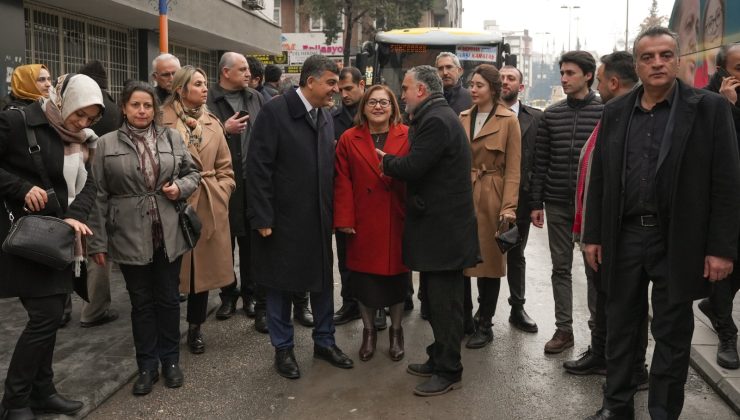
column 516, row 267
column 155, row 310
column 641, row 258
column 249, row 289
column 444, row 295
column 29, row 373
column 721, row 298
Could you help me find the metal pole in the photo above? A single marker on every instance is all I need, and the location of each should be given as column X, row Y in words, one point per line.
column 627, row 28
column 163, row 29
column 570, row 10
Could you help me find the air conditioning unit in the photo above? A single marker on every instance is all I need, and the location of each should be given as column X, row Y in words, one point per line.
column 253, row 4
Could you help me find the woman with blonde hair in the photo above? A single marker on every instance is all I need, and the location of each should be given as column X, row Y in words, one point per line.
column 210, row 264
column 369, row 207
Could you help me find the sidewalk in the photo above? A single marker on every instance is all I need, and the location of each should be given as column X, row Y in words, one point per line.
column 704, row 358
column 90, row 364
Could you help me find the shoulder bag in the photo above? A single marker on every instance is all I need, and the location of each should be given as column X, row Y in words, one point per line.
column 190, row 223
column 47, row 240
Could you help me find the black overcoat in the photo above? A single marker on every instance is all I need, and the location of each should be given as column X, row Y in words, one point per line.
column 20, row 277
column 220, row 107
column 697, row 184
column 529, row 120
column 290, row 187
column 441, row 232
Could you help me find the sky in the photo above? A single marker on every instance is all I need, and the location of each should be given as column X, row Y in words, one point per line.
column 598, row 23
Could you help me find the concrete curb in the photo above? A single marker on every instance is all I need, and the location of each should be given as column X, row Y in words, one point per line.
column 704, row 360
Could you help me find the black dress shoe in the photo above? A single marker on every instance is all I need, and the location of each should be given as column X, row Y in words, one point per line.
column 727, row 352
column 196, row 342
column 420, row 369
column 587, row 363
column 260, row 322
column 285, row 364
column 606, row 414
column 436, row 385
column 380, row 320
column 227, row 308
column 145, row 381
column 348, row 312
column 55, row 404
column 521, row 320
column 303, row 315
column 65, row 320
column 249, row 307
column 333, row 355
column 482, row 336
column 109, row 316
column 24, row 413
column 173, row 377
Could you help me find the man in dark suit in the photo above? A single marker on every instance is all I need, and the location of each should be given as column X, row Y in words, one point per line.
column 529, row 119
column 451, row 72
column 440, row 236
column 662, row 207
column 290, row 184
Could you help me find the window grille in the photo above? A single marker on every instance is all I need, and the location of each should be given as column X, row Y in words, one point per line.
column 206, row 60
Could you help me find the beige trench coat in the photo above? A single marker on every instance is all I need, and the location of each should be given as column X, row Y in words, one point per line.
column 212, row 259
column 497, row 151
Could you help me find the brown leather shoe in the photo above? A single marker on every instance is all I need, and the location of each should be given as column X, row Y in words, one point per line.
column 369, row 339
column 396, row 349
column 560, row 341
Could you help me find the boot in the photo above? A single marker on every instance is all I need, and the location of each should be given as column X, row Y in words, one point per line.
column 260, row 322
column 369, row 340
column 396, row 348
column 521, row 320
column 228, row 307
column 195, row 339
column 727, row 352
column 481, row 337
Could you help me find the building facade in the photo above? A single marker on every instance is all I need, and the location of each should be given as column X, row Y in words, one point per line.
column 124, row 34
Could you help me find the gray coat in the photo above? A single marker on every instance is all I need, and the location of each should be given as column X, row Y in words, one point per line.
column 119, row 220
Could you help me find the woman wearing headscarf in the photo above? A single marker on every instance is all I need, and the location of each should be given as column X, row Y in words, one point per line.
column 29, row 83
column 369, row 208
column 141, row 170
column 496, row 144
column 65, row 146
column 210, row 265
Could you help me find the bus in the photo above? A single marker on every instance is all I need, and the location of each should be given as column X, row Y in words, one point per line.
column 702, row 27
column 393, row 52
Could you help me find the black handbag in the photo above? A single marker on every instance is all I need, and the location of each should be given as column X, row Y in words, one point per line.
column 190, row 223
column 508, row 239
column 47, row 240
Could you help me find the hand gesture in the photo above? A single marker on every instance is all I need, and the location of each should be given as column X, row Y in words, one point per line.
column 235, row 125
column 728, row 89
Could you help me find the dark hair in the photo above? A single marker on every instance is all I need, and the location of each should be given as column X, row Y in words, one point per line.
column 315, row 66
column 132, row 86
column 654, row 31
column 521, row 76
column 256, row 68
column 585, row 61
column 273, row 73
column 360, row 119
column 721, row 58
column 354, row 71
column 490, row 74
column 620, row 64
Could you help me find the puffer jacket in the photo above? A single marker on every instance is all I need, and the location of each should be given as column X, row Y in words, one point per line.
column 562, row 132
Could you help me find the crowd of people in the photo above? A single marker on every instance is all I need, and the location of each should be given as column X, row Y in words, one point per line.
column 644, row 177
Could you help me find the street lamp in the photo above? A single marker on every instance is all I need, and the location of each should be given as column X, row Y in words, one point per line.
column 570, row 10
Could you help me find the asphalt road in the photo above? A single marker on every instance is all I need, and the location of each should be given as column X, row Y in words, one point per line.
column 511, row 379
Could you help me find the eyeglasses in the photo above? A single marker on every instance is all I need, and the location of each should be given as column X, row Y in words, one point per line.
column 43, row 79
column 166, row 75
column 384, row 103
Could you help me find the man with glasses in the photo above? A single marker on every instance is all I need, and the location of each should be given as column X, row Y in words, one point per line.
column 164, row 68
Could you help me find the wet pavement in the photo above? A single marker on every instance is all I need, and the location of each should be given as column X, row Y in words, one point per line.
column 234, row 378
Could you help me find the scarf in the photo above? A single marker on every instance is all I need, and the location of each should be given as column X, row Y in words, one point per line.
column 79, row 92
column 23, row 82
column 188, row 123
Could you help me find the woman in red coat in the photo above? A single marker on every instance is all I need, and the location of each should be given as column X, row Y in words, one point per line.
column 369, row 207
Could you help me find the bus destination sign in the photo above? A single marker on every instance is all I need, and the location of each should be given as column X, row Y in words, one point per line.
column 477, row 53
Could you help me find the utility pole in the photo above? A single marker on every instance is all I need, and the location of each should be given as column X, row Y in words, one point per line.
column 627, row 28
column 163, row 29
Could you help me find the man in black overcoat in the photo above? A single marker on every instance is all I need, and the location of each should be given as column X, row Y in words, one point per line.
column 290, row 185
column 662, row 207
column 440, row 236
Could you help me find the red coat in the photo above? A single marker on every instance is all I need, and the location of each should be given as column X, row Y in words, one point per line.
column 369, row 202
